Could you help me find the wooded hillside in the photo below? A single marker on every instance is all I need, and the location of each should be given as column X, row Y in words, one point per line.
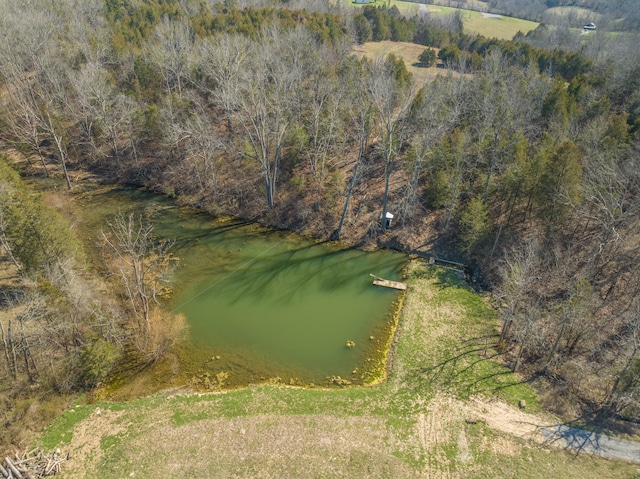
column 518, row 159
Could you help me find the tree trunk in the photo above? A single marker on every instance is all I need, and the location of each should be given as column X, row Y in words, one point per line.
column 388, row 169
column 10, row 367
column 26, row 352
column 516, row 362
column 7, row 247
column 268, row 183
column 383, row 222
column 352, row 183
column 612, row 397
column 14, row 359
column 554, row 349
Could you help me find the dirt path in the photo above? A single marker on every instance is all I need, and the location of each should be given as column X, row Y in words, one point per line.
column 505, row 418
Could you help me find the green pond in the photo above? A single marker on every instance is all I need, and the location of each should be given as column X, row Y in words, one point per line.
column 261, row 303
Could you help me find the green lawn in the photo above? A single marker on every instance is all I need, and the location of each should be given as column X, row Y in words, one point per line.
column 444, row 373
column 504, row 28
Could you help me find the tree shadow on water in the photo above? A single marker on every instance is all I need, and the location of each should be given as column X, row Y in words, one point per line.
column 289, row 272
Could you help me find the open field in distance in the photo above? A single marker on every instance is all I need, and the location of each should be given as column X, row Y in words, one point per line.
column 474, row 21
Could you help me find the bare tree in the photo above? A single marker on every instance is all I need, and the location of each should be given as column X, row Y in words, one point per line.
column 323, row 124
column 194, row 134
column 575, row 318
column 494, row 121
column 625, row 390
column 361, row 110
column 517, row 274
column 41, row 100
column 221, row 62
column 101, row 111
column 142, row 263
column 525, row 332
column 436, row 115
column 264, row 106
column 170, row 50
column 9, row 349
column 457, row 167
column 5, row 200
column 34, row 81
column 391, row 99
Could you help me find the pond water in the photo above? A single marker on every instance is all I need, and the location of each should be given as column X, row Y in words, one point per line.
column 261, row 303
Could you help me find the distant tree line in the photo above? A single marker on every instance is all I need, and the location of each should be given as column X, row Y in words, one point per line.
column 379, row 23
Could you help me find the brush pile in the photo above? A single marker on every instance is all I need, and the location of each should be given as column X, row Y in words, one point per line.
column 32, row 465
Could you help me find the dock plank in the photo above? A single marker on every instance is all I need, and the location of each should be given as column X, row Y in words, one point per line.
column 377, row 281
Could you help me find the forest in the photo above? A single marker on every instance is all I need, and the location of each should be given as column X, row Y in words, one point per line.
column 521, row 159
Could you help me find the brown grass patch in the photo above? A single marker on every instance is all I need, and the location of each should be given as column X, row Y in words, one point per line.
column 508, row 419
column 301, row 446
column 85, row 444
column 409, row 52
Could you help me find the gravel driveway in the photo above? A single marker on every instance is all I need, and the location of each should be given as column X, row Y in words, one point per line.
column 593, row 443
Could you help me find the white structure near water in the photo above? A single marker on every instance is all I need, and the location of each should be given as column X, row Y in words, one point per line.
column 388, row 217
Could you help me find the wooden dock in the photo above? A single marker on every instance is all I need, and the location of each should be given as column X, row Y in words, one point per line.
column 388, row 284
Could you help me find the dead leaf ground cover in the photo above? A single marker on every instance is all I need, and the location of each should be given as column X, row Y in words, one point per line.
column 447, row 410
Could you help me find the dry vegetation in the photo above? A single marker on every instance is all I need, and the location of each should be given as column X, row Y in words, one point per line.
column 409, row 52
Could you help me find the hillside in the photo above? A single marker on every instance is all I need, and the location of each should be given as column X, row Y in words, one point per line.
column 618, row 16
column 518, row 158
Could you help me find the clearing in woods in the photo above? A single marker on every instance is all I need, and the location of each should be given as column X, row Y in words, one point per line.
column 409, row 52
column 448, row 410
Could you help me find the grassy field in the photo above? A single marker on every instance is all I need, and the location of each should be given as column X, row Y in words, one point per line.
column 503, row 27
column 409, row 52
column 448, row 410
column 474, row 22
column 580, row 14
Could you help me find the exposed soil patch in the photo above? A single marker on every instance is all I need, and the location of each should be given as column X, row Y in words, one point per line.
column 86, row 441
column 304, row 446
column 507, row 419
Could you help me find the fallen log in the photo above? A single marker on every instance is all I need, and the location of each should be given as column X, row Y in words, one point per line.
column 55, row 465
column 34, row 464
column 12, row 468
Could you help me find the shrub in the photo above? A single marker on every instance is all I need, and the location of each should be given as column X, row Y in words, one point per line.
column 427, row 58
column 96, row 360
